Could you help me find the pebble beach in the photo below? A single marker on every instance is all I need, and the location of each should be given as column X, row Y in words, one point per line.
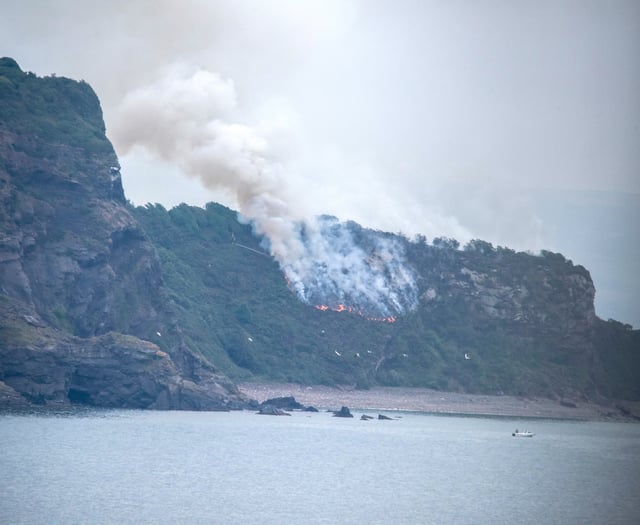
column 437, row 402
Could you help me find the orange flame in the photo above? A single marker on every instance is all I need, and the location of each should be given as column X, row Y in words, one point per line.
column 341, row 307
column 346, row 308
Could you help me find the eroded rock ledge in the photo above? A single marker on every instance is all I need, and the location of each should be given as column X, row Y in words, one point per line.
column 40, row 365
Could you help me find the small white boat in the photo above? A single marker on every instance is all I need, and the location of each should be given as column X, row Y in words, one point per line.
column 522, row 434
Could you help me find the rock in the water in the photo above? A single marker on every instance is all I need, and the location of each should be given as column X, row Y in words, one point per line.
column 270, row 410
column 311, row 409
column 365, row 417
column 382, row 416
column 285, row 403
column 343, row 412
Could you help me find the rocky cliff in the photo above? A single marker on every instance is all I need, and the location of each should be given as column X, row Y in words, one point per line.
column 76, row 270
column 42, row 365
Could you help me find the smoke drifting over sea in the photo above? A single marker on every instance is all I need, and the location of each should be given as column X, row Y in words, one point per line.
column 186, row 118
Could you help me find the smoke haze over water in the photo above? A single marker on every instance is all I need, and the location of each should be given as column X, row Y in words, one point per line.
column 186, row 118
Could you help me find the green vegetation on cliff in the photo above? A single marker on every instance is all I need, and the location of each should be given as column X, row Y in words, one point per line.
column 526, row 323
column 55, row 109
column 237, row 309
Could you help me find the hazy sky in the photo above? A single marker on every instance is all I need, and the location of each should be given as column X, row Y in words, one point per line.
column 511, row 121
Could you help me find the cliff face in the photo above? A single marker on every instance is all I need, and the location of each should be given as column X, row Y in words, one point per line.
column 67, row 237
column 67, row 242
column 42, row 366
column 73, row 257
column 528, row 321
column 545, row 297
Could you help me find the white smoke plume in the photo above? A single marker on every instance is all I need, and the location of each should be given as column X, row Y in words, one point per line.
column 367, row 275
column 186, row 118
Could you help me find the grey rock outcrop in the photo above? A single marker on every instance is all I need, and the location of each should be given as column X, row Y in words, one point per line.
column 43, row 366
column 9, row 398
column 285, row 403
column 270, row 410
column 343, row 412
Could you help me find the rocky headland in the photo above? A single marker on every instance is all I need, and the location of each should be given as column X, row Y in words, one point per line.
column 106, row 304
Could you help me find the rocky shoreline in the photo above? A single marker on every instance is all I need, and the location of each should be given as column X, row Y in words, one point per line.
column 433, row 401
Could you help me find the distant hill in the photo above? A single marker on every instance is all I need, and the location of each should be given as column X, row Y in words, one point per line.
column 105, row 303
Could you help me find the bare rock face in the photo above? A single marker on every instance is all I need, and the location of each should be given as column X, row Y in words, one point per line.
column 543, row 293
column 85, row 318
column 10, row 398
column 44, row 366
column 69, row 247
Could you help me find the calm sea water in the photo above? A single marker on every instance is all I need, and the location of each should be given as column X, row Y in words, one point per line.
column 240, row 468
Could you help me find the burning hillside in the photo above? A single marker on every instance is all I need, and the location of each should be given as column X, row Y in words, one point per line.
column 343, row 267
column 186, row 119
column 351, row 309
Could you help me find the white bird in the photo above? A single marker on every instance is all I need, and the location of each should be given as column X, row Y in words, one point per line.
column 159, row 334
column 467, row 356
column 337, row 353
